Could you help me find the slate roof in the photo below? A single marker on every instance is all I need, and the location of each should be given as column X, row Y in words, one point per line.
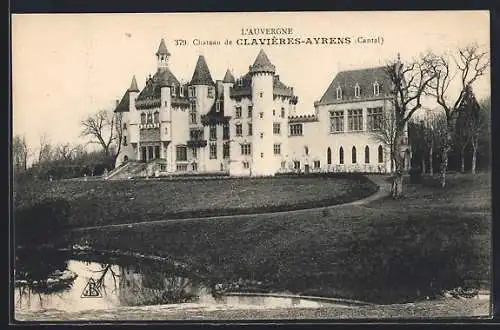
column 201, row 75
column 228, row 77
column 162, row 49
column 262, row 64
column 123, row 105
column 347, row 80
column 213, row 116
column 163, row 77
column 133, row 85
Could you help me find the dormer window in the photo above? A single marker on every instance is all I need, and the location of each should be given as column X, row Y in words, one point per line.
column 240, row 82
column 181, row 91
column 210, row 92
column 376, row 88
column 339, row 93
column 356, row 90
column 172, row 90
column 192, row 91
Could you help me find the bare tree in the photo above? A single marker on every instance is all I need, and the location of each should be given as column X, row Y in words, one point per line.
column 471, row 63
column 45, row 149
column 386, row 134
column 64, row 152
column 434, row 136
column 408, row 85
column 20, row 153
column 479, row 125
column 100, row 128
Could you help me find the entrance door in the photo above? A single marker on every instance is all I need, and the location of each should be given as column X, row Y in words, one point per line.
column 144, row 155
column 150, row 153
column 306, row 168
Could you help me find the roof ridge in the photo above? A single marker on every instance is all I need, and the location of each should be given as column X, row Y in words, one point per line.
column 262, row 63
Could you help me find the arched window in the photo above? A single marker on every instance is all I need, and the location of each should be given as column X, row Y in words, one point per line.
column 341, row 155
column 380, row 154
column 356, row 90
column 353, row 155
column 367, row 155
column 157, row 117
column 125, row 158
column 376, row 88
column 143, row 118
column 339, row 93
column 329, row 156
column 150, row 118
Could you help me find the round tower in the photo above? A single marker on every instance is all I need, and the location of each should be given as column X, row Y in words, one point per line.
column 262, row 72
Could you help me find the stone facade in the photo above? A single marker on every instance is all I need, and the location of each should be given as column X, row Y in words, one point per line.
column 249, row 126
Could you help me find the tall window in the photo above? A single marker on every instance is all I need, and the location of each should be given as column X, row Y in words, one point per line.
column 277, row 148
column 225, row 131
column 239, row 130
column 181, row 91
column 306, row 150
column 181, row 153
column 367, row 155
column 380, row 154
column 376, row 88
column 195, row 134
column 192, row 112
column 336, row 121
column 355, row 120
column 250, row 131
column 317, row 164
column 276, row 128
column 246, row 165
column 246, row 149
column 143, row 118
column 329, row 156
column 296, row 129
column 213, row 132
column 225, row 150
column 238, row 112
column 353, row 157
column 341, row 156
column 250, row 110
column 192, row 91
column 339, row 93
column 282, row 112
column 194, row 152
column 217, row 106
column 296, row 164
column 210, row 92
column 124, row 141
column 124, row 126
column 356, row 90
column 150, row 118
column 374, row 118
column 195, row 167
column 213, row 150
column 172, row 91
column 156, row 117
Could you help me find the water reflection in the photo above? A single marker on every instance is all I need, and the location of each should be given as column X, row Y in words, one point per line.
column 137, row 284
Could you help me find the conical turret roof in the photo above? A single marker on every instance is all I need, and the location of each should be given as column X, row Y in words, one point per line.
column 133, row 85
column 162, row 49
column 262, row 64
column 201, row 75
column 228, row 78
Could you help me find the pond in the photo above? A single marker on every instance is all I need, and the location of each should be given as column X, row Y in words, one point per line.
column 107, row 284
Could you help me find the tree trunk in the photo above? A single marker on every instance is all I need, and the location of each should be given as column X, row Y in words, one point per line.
column 444, row 167
column 423, row 163
column 474, row 156
column 462, row 161
column 431, row 168
column 397, row 182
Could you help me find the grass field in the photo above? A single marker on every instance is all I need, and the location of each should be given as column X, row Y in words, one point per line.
column 113, row 202
column 387, row 252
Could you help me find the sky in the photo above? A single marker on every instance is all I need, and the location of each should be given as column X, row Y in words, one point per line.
column 68, row 66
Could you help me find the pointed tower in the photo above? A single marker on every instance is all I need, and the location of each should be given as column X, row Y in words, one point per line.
column 228, row 78
column 201, row 75
column 162, row 55
column 132, row 91
column 262, row 72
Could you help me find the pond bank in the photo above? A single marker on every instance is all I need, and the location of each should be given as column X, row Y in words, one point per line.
column 448, row 308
